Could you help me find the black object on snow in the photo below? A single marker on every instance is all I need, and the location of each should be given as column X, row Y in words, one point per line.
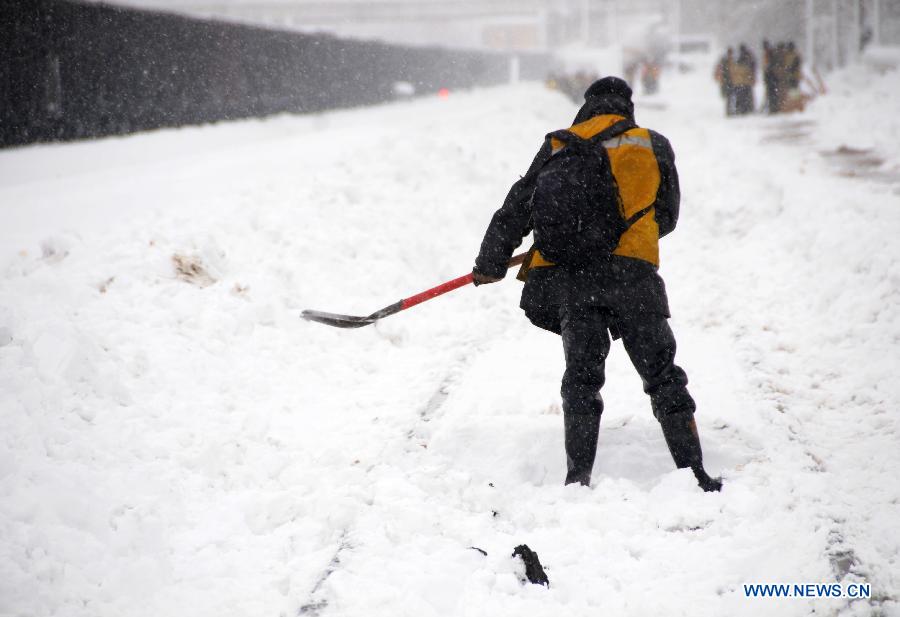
column 534, row 571
column 480, row 550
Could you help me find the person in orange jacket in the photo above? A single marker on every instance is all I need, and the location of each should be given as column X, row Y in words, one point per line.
column 620, row 293
column 743, row 78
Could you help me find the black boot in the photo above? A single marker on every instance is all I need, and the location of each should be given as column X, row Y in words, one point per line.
column 582, row 431
column 680, row 431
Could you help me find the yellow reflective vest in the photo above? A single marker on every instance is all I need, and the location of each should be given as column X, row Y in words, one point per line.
column 636, row 170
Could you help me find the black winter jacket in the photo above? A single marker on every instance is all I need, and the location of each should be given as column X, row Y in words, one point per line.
column 623, row 285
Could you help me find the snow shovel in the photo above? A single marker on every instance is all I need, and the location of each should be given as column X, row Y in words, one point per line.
column 353, row 321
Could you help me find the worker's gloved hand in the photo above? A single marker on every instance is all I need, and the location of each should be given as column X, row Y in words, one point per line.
column 483, row 279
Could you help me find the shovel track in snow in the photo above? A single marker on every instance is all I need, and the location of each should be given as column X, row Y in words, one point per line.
column 431, row 410
column 317, row 601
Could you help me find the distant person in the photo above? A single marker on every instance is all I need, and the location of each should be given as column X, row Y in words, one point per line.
column 865, row 38
column 631, row 69
column 599, row 196
column 793, row 65
column 582, row 80
column 743, row 78
column 792, row 75
column 723, row 77
column 770, row 77
column 572, row 85
column 553, row 81
column 650, row 71
column 778, row 76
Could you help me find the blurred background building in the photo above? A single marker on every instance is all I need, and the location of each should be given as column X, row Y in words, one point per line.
column 830, row 32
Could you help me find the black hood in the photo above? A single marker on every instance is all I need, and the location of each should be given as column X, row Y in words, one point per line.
column 605, row 104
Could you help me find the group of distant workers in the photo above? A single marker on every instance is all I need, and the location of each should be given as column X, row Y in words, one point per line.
column 574, row 85
column 782, row 73
column 736, row 73
column 648, row 68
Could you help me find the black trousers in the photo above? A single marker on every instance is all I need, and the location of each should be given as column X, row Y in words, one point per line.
column 743, row 100
column 772, row 96
column 650, row 344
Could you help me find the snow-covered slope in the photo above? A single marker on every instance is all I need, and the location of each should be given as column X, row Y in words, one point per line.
column 191, row 447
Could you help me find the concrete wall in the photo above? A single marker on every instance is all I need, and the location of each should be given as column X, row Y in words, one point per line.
column 73, row 70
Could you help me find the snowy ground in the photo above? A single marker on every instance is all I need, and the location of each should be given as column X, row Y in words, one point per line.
column 172, row 447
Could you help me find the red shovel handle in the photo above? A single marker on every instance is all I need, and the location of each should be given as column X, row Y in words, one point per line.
column 436, row 291
column 451, row 285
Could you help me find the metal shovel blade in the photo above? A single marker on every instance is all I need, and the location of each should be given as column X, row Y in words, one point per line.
column 338, row 321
